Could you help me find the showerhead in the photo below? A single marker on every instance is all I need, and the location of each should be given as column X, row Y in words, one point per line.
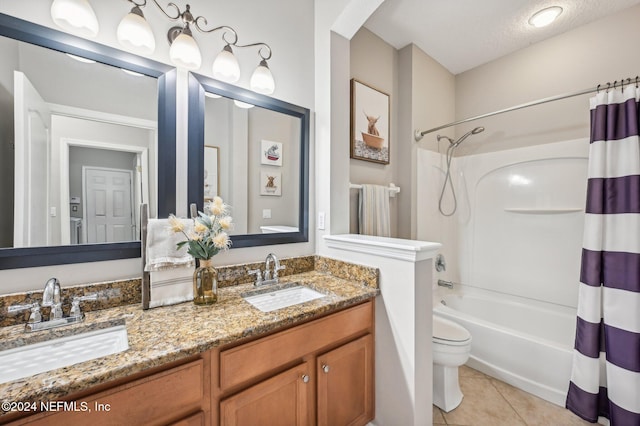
column 445, row 137
column 466, row 135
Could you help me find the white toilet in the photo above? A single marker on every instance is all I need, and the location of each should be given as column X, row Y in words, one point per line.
column 451, row 347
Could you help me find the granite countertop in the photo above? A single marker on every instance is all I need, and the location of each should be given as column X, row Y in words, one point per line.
column 162, row 335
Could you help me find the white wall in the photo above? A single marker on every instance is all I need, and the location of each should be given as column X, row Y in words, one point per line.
column 593, row 54
column 287, row 26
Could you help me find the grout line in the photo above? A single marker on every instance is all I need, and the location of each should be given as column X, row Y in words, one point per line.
column 507, row 401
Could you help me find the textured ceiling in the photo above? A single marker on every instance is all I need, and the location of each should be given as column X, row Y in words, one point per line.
column 462, row 34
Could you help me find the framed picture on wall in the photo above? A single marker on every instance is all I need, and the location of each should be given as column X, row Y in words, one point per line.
column 271, row 183
column 211, row 172
column 370, row 117
column 271, row 153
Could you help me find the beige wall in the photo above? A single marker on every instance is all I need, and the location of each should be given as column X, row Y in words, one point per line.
column 433, row 96
column 604, row 50
column 422, row 95
column 374, row 62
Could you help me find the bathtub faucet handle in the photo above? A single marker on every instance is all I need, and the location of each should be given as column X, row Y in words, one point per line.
column 441, row 264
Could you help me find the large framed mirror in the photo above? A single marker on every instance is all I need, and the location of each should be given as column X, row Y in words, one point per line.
column 252, row 151
column 87, row 134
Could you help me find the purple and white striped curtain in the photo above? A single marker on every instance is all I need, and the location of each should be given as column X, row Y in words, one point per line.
column 605, row 380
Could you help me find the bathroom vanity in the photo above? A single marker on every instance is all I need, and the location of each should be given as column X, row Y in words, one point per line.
column 226, row 364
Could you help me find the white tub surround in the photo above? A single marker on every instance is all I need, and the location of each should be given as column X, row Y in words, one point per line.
column 404, row 369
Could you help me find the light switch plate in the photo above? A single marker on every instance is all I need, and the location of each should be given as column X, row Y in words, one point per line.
column 321, row 221
column 266, row 213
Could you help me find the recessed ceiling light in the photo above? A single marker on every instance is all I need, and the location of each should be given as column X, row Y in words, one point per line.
column 212, row 95
column 544, row 17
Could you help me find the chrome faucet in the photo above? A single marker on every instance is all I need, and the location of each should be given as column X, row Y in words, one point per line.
column 270, row 275
column 51, row 297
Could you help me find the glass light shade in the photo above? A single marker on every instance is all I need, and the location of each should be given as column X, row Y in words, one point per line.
column 76, row 16
column 134, row 33
column 226, row 67
column 185, row 53
column 81, row 59
column 241, row 104
column 544, row 17
column 132, row 73
column 262, row 79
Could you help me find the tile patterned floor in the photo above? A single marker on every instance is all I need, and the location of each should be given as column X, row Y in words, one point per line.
column 490, row 402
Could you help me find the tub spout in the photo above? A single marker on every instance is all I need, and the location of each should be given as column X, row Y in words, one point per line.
column 443, row 283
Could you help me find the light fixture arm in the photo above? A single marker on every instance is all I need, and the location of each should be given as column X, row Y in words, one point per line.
column 262, row 46
column 200, row 23
column 202, row 29
column 143, row 3
column 173, row 18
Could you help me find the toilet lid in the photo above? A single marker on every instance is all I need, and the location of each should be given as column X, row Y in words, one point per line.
column 448, row 331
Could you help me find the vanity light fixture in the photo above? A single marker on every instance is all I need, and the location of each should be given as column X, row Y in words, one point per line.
column 134, row 33
column 262, row 79
column 75, row 16
column 225, row 66
column 544, row 17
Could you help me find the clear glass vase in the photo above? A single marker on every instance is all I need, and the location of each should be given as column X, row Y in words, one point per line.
column 205, row 283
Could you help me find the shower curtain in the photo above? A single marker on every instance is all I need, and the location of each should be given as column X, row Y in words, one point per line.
column 605, row 380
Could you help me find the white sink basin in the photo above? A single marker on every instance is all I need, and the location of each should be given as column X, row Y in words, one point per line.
column 25, row 361
column 278, row 299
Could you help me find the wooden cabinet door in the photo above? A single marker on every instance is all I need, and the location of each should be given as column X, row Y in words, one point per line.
column 345, row 384
column 282, row 400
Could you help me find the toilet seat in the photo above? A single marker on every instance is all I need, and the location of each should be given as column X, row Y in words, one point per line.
column 446, row 332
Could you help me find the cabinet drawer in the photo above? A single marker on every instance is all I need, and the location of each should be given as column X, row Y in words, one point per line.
column 158, row 399
column 245, row 362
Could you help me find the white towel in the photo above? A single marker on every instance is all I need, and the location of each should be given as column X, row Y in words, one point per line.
column 373, row 210
column 171, row 286
column 162, row 249
column 170, row 270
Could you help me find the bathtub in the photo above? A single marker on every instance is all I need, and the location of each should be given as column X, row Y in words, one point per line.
column 523, row 342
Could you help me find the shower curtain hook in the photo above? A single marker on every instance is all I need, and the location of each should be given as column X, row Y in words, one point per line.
column 598, row 88
column 637, row 77
column 608, row 87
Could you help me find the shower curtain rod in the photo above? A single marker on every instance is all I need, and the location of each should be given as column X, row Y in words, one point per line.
column 419, row 134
